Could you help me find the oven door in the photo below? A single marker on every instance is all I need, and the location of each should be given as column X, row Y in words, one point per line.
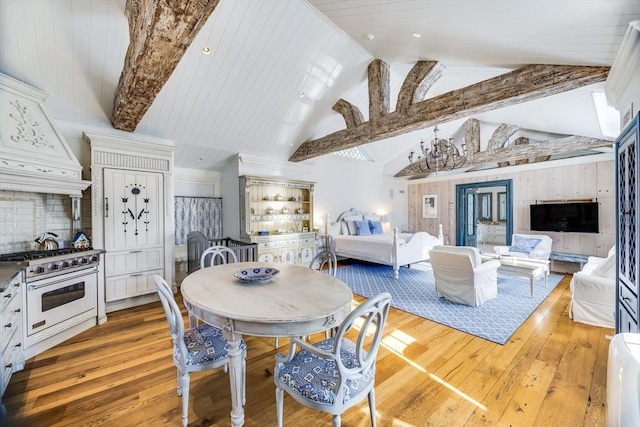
column 56, row 299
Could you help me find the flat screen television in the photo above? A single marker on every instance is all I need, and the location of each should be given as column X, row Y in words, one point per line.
column 565, row 217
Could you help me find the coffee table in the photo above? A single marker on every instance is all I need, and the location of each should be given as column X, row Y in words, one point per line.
column 514, row 266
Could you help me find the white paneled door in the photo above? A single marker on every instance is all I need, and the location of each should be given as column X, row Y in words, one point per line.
column 133, row 210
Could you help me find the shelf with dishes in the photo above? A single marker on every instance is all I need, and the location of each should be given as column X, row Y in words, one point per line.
column 285, row 210
column 281, row 217
column 274, row 200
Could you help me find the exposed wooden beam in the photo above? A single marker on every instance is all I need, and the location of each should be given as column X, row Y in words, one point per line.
column 417, row 83
column 351, row 114
column 379, row 76
column 472, row 137
column 524, row 84
column 524, row 141
column 538, row 159
column 500, row 137
column 160, row 31
column 569, row 144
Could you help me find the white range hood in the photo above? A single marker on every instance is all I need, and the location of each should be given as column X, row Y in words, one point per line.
column 34, row 157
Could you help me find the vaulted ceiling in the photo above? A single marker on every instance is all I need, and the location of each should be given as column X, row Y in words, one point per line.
column 245, row 96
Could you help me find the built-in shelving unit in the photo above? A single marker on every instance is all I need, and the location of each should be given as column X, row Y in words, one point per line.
column 277, row 214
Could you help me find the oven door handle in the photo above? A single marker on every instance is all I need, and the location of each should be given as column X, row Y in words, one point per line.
column 66, row 279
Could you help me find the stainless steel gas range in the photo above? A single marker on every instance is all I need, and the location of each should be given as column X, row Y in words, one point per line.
column 61, row 298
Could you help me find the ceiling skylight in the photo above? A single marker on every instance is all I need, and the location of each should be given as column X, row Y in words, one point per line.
column 353, row 153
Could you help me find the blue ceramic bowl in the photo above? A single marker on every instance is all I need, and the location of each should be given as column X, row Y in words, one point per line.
column 256, row 275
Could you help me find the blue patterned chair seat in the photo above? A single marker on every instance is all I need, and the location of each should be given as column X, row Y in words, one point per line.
column 316, row 378
column 205, row 344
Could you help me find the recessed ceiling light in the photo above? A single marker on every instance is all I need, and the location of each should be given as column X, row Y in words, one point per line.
column 301, row 94
column 206, row 50
column 369, row 36
column 416, row 35
column 199, row 159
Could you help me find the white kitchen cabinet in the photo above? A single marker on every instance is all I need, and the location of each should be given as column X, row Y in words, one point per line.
column 11, row 348
column 133, row 216
column 131, row 285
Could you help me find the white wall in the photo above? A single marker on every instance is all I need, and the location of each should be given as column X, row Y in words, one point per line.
column 197, row 183
column 344, row 183
column 341, row 184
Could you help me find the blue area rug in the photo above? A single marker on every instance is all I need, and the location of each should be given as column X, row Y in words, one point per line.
column 495, row 320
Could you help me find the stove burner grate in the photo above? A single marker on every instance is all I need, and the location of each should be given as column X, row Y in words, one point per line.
column 31, row 255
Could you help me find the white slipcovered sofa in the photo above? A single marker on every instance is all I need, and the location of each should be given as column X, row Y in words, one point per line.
column 462, row 277
column 533, row 246
column 593, row 292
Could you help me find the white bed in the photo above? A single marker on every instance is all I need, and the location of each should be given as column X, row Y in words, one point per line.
column 389, row 248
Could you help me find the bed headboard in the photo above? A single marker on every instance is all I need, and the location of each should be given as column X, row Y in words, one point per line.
column 338, row 226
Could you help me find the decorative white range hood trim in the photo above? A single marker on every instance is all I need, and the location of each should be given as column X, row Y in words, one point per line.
column 34, row 157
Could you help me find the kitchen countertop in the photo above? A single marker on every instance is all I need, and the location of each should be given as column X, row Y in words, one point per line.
column 9, row 270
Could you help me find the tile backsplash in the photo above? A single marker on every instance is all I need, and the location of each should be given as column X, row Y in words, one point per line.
column 24, row 216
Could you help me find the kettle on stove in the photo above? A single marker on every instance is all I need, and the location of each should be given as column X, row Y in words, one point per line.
column 47, row 241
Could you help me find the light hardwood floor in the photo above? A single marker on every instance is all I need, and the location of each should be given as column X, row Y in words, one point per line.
column 552, row 372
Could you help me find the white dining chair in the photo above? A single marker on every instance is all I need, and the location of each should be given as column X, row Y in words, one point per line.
column 208, row 257
column 325, row 261
column 335, row 374
column 194, row 350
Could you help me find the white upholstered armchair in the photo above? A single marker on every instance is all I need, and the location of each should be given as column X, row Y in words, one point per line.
column 593, row 292
column 533, row 246
column 462, row 277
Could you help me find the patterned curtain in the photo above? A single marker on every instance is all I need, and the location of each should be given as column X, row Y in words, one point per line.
column 203, row 214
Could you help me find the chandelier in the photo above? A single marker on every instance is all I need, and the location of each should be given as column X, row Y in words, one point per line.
column 441, row 154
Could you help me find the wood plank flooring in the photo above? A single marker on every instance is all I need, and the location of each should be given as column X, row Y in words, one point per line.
column 552, row 372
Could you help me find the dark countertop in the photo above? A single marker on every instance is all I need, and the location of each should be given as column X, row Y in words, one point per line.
column 9, row 270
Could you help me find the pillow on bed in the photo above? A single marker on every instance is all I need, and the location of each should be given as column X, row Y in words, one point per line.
column 351, row 227
column 376, row 227
column 362, row 228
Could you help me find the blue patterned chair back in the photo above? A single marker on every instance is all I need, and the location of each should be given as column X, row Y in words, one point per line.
column 335, row 374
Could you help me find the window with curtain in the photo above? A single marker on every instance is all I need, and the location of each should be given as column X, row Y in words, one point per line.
column 203, row 214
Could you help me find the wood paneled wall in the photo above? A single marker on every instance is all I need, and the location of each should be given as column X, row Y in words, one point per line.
column 594, row 180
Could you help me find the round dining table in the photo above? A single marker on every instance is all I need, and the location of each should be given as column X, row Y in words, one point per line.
column 298, row 301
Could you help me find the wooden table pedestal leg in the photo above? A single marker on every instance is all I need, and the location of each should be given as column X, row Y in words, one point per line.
column 236, row 380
